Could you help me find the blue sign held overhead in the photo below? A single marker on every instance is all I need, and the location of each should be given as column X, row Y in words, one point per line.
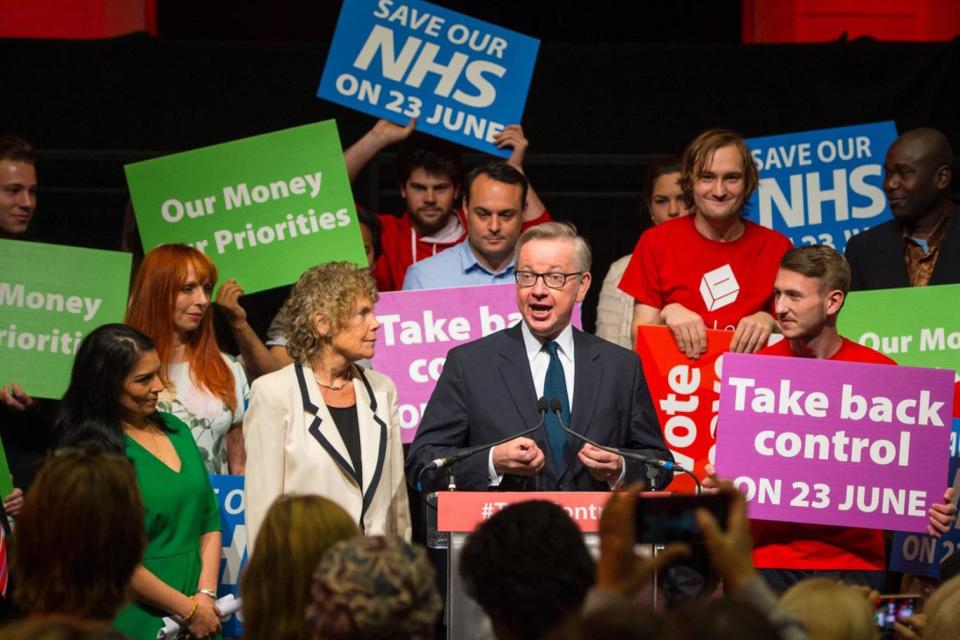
column 230, row 497
column 463, row 79
column 822, row 187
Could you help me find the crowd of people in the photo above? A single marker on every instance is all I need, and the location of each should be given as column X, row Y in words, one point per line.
column 117, row 526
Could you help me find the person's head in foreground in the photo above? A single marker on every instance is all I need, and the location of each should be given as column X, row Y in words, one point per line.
column 529, row 570
column 374, row 588
column 295, row 534
column 830, row 610
column 79, row 537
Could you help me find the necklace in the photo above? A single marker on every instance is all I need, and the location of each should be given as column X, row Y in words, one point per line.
column 334, row 387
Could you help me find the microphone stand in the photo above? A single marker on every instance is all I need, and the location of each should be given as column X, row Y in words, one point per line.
column 450, row 462
column 653, row 465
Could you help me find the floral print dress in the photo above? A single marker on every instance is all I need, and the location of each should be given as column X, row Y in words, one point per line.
column 207, row 416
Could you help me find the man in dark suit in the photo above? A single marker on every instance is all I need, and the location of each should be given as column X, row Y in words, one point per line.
column 921, row 245
column 489, row 389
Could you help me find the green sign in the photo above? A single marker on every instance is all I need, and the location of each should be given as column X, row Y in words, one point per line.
column 918, row 326
column 50, row 298
column 263, row 208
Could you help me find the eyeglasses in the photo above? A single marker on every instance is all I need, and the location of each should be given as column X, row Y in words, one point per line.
column 554, row 280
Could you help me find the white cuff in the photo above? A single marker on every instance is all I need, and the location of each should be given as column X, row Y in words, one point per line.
column 492, row 475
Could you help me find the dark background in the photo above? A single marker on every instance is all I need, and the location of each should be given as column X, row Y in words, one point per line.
column 609, row 95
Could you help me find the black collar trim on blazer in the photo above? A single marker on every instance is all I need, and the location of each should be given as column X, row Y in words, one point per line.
column 344, row 464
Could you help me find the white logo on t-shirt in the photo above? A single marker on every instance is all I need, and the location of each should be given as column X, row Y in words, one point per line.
column 719, row 287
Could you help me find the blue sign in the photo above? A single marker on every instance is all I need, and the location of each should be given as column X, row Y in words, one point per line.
column 463, row 79
column 822, row 187
column 919, row 554
column 230, row 497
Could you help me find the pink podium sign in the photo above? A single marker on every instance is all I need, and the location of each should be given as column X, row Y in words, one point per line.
column 420, row 327
column 835, row 443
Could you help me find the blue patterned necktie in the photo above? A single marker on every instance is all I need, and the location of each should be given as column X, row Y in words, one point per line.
column 555, row 386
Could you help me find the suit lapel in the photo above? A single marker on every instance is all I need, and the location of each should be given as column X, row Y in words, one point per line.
column 895, row 246
column 948, row 261
column 587, row 381
column 321, row 425
column 373, row 438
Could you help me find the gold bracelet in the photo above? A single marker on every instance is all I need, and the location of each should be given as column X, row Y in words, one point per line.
column 185, row 619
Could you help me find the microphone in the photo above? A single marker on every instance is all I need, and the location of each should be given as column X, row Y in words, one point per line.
column 453, row 458
column 557, row 409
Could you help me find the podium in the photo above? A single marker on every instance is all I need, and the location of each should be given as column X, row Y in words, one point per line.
column 460, row 512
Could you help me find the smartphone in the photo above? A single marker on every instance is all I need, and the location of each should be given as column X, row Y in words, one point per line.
column 895, row 608
column 669, row 518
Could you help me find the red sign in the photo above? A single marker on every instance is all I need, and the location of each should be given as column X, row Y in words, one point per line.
column 686, row 396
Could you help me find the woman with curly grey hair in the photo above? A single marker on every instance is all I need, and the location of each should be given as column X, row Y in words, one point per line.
column 324, row 425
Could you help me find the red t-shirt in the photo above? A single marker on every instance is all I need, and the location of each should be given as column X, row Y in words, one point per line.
column 397, row 241
column 721, row 281
column 786, row 545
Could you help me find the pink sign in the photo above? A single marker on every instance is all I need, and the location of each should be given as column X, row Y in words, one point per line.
column 835, row 443
column 420, row 327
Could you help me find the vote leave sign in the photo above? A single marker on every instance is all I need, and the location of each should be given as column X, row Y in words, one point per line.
column 821, row 187
column 835, row 443
column 686, row 396
column 463, row 79
column 420, row 327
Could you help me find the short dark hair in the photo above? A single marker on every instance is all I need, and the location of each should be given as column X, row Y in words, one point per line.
column 663, row 166
column 501, row 172
column 434, row 156
column 528, row 566
column 67, row 561
column 821, row 262
column 16, row 148
column 90, row 416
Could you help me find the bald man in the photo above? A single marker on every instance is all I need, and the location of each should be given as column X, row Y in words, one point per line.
column 921, row 245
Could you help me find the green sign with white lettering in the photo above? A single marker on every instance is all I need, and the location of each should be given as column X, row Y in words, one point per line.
column 264, row 209
column 918, row 326
column 50, row 298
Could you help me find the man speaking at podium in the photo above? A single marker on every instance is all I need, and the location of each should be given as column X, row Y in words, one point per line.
column 489, row 390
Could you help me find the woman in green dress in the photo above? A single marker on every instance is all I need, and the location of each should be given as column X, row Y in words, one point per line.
column 110, row 406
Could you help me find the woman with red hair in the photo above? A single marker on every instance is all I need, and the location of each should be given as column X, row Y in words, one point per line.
column 205, row 388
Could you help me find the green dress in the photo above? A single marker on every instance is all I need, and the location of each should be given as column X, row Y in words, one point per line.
column 179, row 508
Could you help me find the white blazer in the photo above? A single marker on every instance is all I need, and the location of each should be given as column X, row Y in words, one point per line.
column 293, row 446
